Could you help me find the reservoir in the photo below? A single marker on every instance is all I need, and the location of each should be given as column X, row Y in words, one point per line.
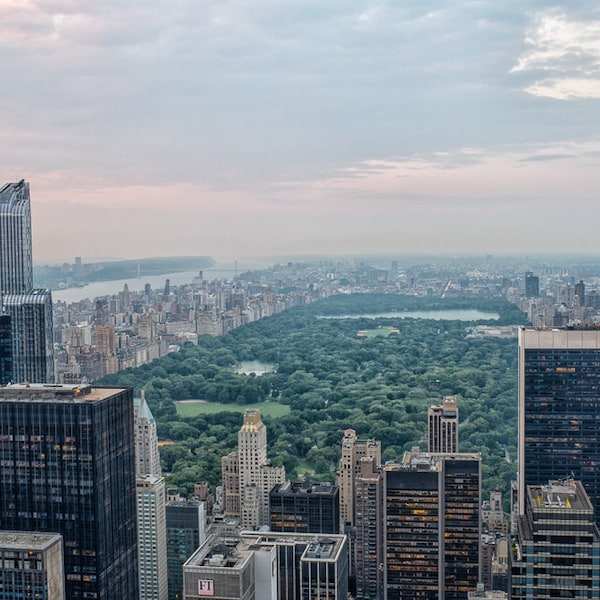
column 462, row 314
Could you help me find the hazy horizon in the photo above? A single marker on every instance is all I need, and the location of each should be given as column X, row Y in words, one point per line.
column 233, row 129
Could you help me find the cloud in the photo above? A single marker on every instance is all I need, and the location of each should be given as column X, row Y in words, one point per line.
column 565, row 54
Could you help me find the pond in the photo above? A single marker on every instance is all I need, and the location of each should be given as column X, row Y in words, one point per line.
column 254, row 366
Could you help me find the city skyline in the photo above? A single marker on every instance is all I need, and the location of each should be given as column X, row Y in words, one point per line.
column 299, row 128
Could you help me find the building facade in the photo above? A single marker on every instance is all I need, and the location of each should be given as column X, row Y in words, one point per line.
column 559, row 408
column 256, row 476
column 67, row 465
column 31, row 566
column 442, row 426
column 147, row 457
column 152, row 537
column 556, row 553
column 368, row 521
column 353, row 449
column 432, row 526
column 16, row 263
column 305, row 508
column 29, row 310
column 185, row 534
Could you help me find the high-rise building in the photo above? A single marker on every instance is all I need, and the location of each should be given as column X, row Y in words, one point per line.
column 32, row 346
column 305, row 508
column 308, row 566
column 6, row 369
column 68, row 466
column 556, row 553
column 559, row 408
column 30, row 310
column 147, row 458
column 152, row 537
column 532, row 285
column 230, row 477
column 580, row 293
column 16, row 264
column 353, row 450
column 256, row 476
column 31, row 566
column 442, row 426
column 368, row 521
column 432, row 526
column 185, row 534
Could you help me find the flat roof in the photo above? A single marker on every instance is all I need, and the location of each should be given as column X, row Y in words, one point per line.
column 23, row 540
column 559, row 496
column 38, row 392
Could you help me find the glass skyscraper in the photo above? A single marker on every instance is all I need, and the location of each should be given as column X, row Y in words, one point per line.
column 29, row 310
column 559, row 408
column 67, row 465
column 16, row 269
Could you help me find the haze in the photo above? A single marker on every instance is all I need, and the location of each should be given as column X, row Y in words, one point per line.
column 232, row 128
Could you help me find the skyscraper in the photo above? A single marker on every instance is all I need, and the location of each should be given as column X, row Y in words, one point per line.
column 185, row 534
column 152, row 537
column 432, row 526
column 147, row 458
column 16, row 267
column 256, row 475
column 368, row 521
column 442, row 426
column 31, row 329
column 353, row 450
column 30, row 310
column 67, row 466
column 556, row 553
column 559, row 408
column 305, row 508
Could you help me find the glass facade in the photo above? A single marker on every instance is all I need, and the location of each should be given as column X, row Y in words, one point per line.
column 561, row 416
column 32, row 335
column 305, row 508
column 67, row 466
column 16, row 268
column 432, row 526
column 30, row 310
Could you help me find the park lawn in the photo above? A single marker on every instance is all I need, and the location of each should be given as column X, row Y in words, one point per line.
column 193, row 409
column 378, row 332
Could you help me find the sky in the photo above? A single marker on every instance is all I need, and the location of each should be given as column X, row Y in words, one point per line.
column 252, row 128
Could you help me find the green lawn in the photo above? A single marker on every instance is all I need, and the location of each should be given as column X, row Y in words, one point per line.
column 192, row 409
column 379, row 331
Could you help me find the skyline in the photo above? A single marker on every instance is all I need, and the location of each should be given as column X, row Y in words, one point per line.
column 285, row 128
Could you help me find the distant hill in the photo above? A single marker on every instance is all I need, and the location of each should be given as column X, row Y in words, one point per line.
column 71, row 275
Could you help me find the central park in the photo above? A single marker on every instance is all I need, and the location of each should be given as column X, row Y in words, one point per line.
column 325, row 376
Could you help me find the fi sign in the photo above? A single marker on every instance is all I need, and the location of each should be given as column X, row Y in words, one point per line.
column 206, row 587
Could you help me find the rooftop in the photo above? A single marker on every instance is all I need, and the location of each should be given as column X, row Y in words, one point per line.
column 36, row 392
column 27, row 540
column 562, row 495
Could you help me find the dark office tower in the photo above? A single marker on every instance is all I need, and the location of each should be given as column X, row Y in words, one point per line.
column 305, row 508
column 580, row 293
column 432, row 526
column 368, row 521
column 32, row 348
column 6, row 374
column 16, row 268
column 442, row 426
column 532, row 285
column 185, row 534
column 556, row 552
column 68, row 466
column 559, row 408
